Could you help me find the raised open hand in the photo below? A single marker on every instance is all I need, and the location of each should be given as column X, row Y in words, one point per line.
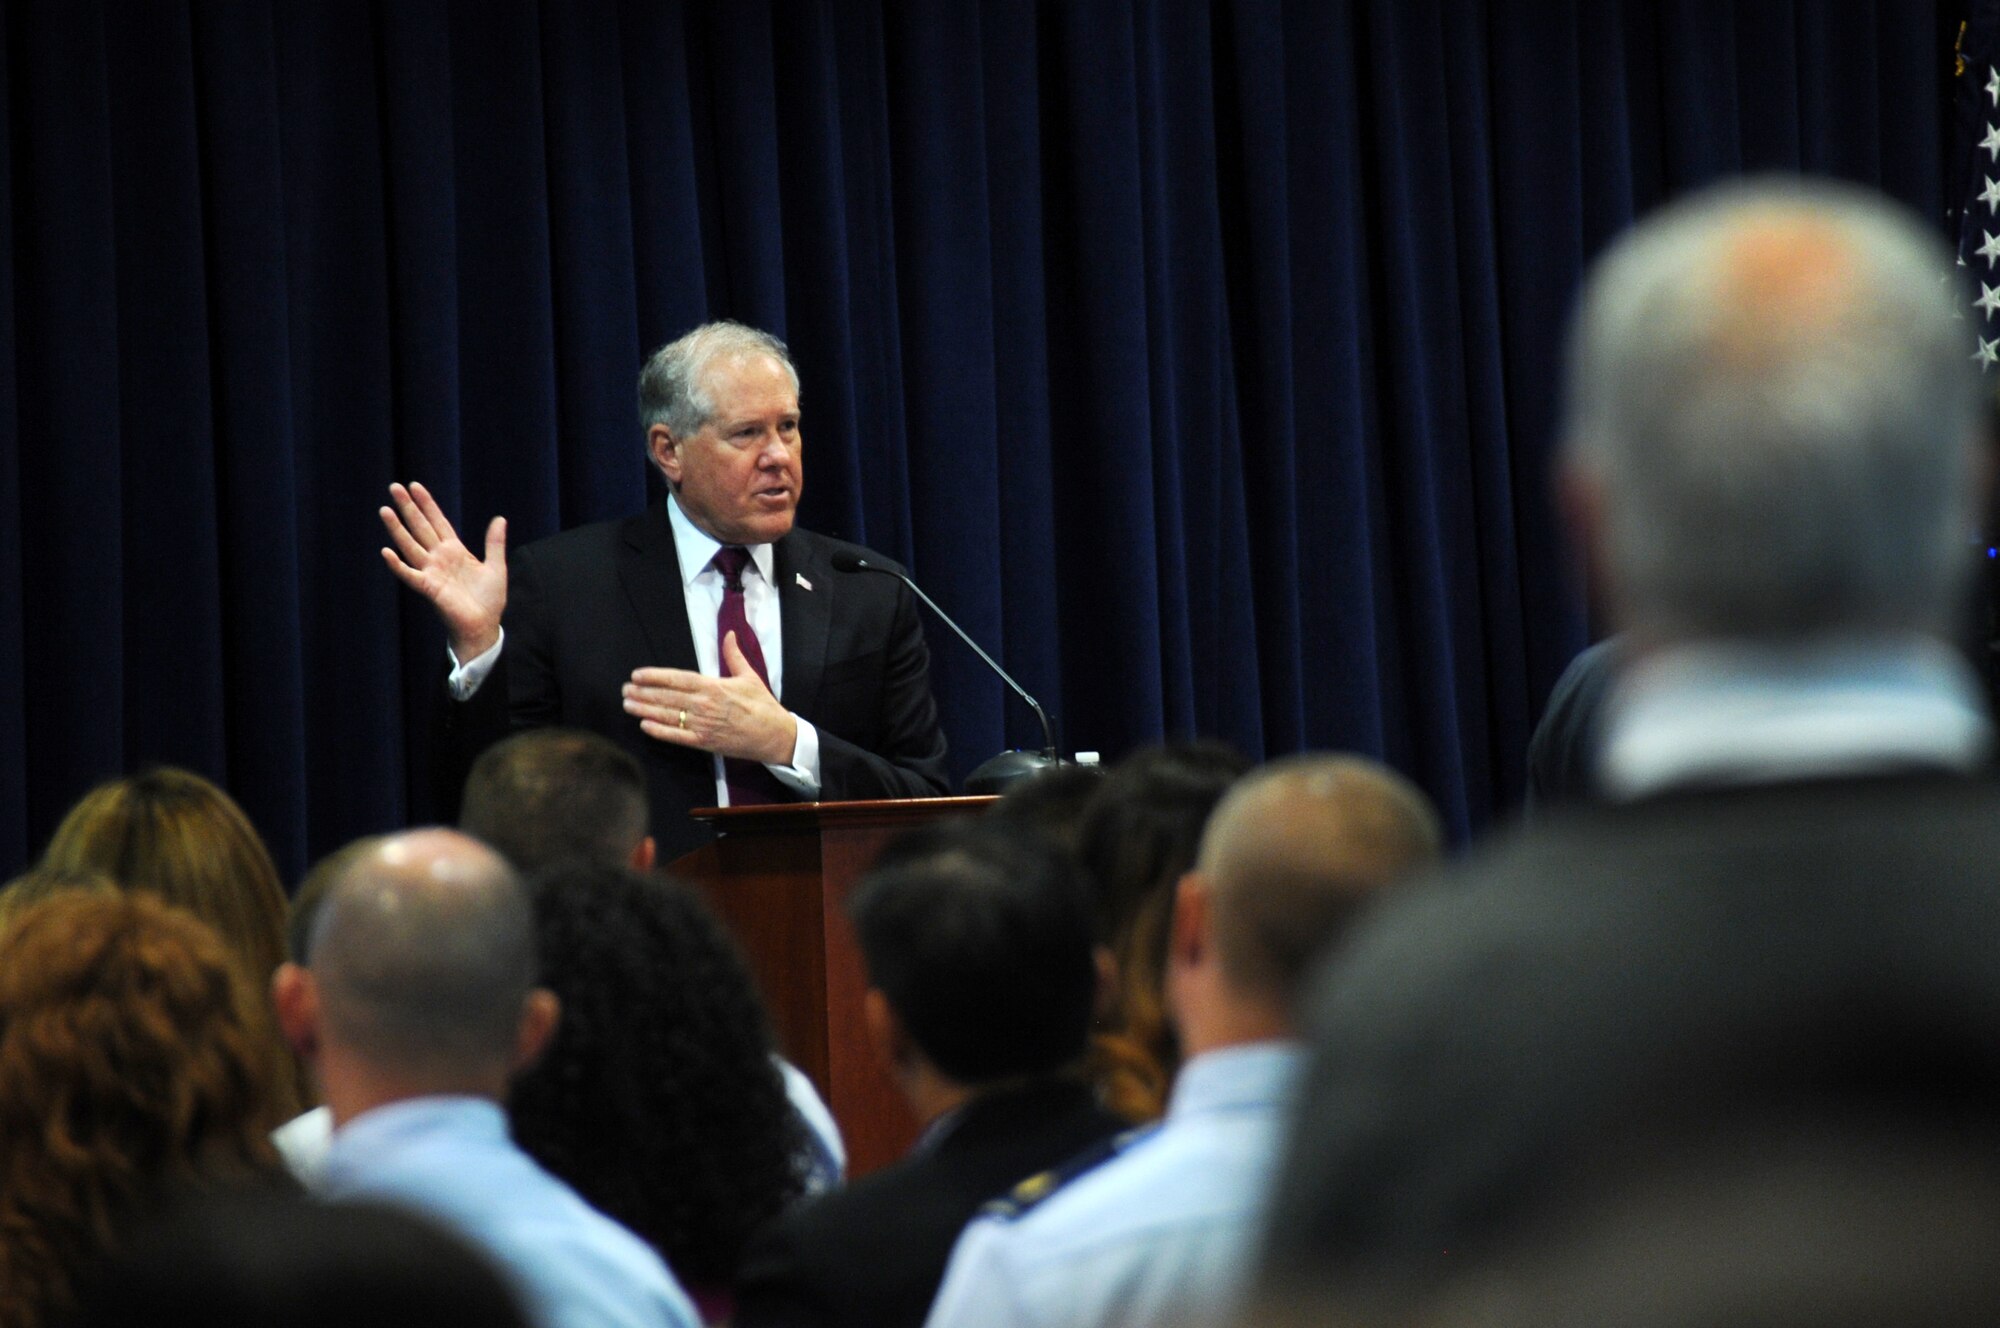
column 469, row 594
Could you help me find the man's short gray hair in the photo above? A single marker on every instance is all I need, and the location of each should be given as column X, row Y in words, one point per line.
column 1773, row 397
column 673, row 387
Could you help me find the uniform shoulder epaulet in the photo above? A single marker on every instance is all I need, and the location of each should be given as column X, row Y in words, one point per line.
column 1032, row 1192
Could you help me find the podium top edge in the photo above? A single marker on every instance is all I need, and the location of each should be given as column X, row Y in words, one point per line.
column 915, row 809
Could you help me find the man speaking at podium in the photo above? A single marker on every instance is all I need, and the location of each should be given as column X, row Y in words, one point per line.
column 711, row 637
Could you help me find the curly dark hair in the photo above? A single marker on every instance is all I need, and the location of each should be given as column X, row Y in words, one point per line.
column 658, row 1099
column 131, row 1063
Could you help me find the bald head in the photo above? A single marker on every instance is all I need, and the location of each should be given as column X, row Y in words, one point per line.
column 1294, row 849
column 423, row 951
column 1772, row 418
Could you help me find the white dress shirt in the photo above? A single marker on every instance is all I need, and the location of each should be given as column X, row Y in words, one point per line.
column 702, row 586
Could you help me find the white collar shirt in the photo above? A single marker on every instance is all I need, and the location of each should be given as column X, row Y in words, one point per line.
column 1736, row 713
column 702, row 586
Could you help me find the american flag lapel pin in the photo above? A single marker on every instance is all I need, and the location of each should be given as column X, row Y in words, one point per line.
column 800, row 577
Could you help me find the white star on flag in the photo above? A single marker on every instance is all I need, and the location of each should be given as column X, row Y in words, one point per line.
column 1988, row 353
column 1992, row 141
column 1990, row 196
column 1988, row 301
column 1993, row 86
column 1991, row 249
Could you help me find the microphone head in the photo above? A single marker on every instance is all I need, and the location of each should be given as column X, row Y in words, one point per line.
column 848, row 562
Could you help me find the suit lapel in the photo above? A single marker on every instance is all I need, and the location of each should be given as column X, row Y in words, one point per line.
column 650, row 571
column 805, row 603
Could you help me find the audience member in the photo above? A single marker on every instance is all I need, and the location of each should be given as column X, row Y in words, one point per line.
column 1792, row 1223
column 416, row 1008
column 982, row 981
column 130, row 1065
column 659, row 1099
column 1138, row 836
column 321, row 877
column 303, row 1140
column 1162, row 1229
column 1771, row 456
column 546, row 797
column 38, row 883
column 1563, row 750
column 173, row 834
column 1051, row 803
column 253, row 1259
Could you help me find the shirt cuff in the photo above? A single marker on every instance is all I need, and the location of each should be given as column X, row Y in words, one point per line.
column 465, row 678
column 802, row 775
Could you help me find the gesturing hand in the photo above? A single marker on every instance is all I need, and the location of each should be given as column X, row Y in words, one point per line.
column 734, row 715
column 468, row 594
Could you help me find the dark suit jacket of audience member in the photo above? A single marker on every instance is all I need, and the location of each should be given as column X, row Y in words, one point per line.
column 872, row 1255
column 589, row 605
column 1613, row 972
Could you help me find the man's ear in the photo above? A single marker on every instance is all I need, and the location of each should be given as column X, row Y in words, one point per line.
column 540, row 1013
column 644, row 854
column 885, row 1031
column 666, row 455
column 1579, row 494
column 1106, row 1004
column 1189, row 940
column 295, row 997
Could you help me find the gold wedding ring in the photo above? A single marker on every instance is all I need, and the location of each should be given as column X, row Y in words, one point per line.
column 684, row 719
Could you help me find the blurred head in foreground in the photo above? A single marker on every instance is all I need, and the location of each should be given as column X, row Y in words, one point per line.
column 1773, row 424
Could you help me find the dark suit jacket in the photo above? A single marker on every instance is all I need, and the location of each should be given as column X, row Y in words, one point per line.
column 588, row 606
column 872, row 1255
column 1613, row 975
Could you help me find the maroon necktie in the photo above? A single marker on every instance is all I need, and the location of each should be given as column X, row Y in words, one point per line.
column 749, row 782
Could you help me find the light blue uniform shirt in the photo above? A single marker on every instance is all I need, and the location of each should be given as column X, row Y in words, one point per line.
column 1160, row 1233
column 450, row 1158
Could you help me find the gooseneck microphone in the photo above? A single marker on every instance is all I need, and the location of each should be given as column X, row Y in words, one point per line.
column 1022, row 764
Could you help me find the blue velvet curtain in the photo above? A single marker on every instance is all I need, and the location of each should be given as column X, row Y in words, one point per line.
column 1200, row 357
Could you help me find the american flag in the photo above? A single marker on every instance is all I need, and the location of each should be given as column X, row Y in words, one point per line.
column 1975, row 164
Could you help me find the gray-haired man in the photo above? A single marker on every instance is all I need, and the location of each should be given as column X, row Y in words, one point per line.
column 711, row 638
column 1773, row 459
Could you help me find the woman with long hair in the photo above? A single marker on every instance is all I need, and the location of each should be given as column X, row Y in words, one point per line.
column 131, row 1068
column 1139, row 834
column 175, row 835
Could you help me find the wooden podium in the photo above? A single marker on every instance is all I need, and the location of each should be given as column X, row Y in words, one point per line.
column 778, row 876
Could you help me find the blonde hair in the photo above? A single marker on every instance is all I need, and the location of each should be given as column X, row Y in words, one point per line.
column 39, row 883
column 170, row 833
